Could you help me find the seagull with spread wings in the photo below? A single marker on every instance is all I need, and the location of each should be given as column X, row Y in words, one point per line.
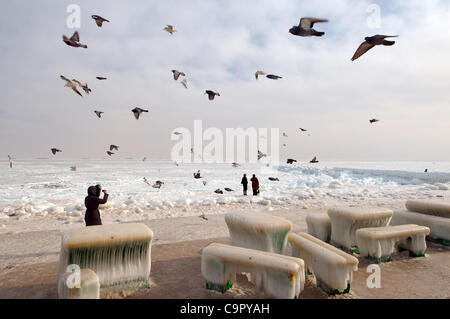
column 176, row 74
column 84, row 86
column 371, row 42
column 71, row 85
column 170, row 29
column 99, row 114
column 305, row 28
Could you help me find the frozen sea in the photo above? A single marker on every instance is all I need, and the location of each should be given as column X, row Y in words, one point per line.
column 48, row 186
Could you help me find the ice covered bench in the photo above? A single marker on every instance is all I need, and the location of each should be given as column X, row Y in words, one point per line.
column 429, row 207
column 86, row 286
column 258, row 231
column 332, row 267
column 346, row 220
column 319, row 226
column 381, row 242
column 439, row 226
column 119, row 254
column 278, row 276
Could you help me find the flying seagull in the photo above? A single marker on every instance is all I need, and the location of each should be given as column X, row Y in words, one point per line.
column 291, row 161
column 55, row 150
column 137, row 112
column 211, row 94
column 109, row 153
column 302, row 129
column 314, row 160
column 71, row 85
column 84, row 86
column 234, row 164
column 10, row 161
column 261, row 155
column 176, row 74
column 101, row 78
column 170, row 29
column 370, row 42
column 74, row 41
column 204, row 183
column 99, row 114
column 373, row 121
column 146, row 181
column 305, row 28
column 184, row 82
column 257, row 73
column 113, row 147
column 99, row 20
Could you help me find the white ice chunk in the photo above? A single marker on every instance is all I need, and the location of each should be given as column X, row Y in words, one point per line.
column 278, row 276
column 258, row 231
column 346, row 220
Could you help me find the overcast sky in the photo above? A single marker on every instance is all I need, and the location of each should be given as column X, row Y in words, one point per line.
column 219, row 45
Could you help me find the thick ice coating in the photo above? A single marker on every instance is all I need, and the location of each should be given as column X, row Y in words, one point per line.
column 439, row 226
column 118, row 254
column 330, row 265
column 278, row 276
column 381, row 242
column 429, row 207
column 258, row 231
column 89, row 286
column 319, row 226
column 346, row 220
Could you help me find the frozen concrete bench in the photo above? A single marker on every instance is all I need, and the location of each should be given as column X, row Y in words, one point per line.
column 381, row 242
column 119, row 254
column 86, row 286
column 332, row 267
column 429, row 207
column 258, row 231
column 278, row 276
column 319, row 226
column 439, row 226
column 345, row 221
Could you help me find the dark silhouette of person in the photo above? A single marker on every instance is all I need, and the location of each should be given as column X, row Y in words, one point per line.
column 426, row 170
column 255, row 185
column 244, row 183
column 92, row 201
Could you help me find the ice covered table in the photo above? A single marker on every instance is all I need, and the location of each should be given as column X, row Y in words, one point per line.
column 258, row 231
column 345, row 221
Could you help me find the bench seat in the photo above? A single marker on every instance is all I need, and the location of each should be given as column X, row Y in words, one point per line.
column 429, row 207
column 332, row 267
column 381, row 242
column 278, row 276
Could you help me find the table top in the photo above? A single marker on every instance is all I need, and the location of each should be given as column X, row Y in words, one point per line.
column 360, row 213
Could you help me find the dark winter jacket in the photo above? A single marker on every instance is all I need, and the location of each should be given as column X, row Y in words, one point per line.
column 255, row 183
column 92, row 201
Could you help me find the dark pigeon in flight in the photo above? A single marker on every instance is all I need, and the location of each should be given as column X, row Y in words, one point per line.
column 370, row 42
column 302, row 129
column 373, row 121
column 101, row 78
column 305, row 28
column 218, row 191
column 274, row 179
column 261, row 155
column 74, row 41
column 99, row 20
column 113, row 147
column 211, row 94
column 137, row 112
column 273, row 77
column 109, row 153
column 55, row 150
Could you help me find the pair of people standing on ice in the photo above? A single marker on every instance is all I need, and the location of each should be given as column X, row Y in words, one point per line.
column 255, row 184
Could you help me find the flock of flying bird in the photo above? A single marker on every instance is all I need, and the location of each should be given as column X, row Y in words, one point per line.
column 303, row 29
